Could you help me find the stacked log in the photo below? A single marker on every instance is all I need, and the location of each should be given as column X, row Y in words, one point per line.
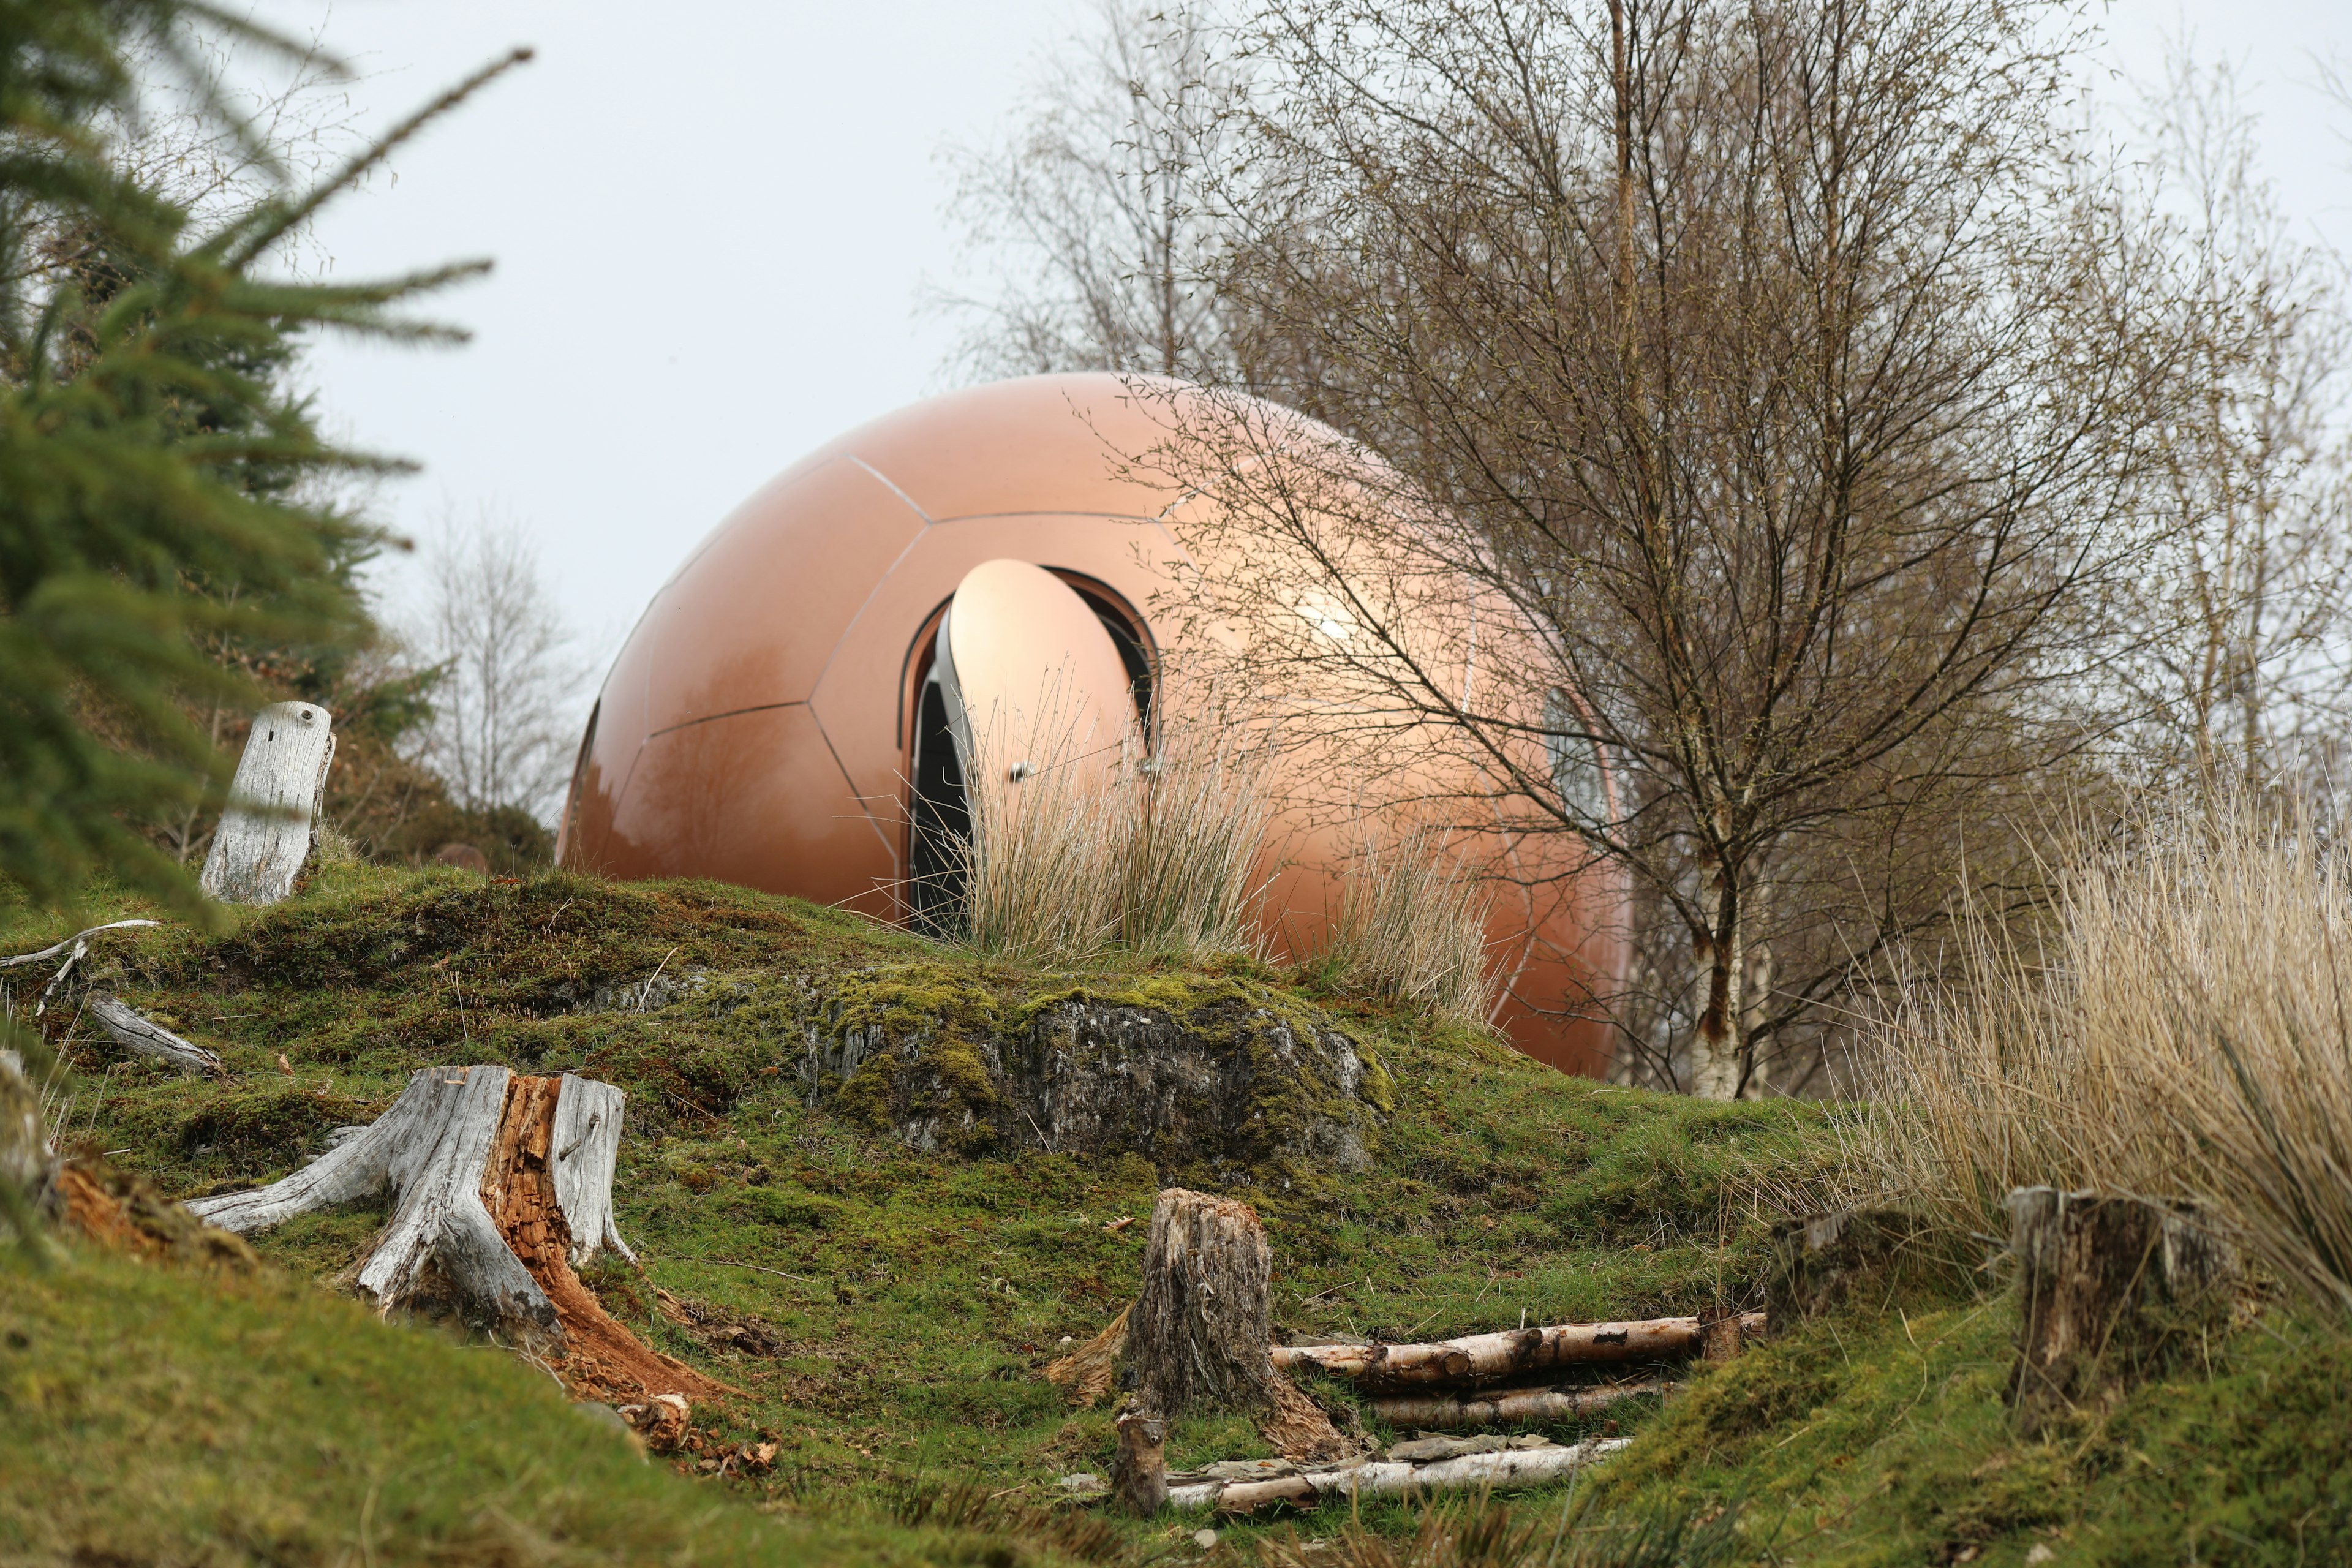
column 1430, row 1464
column 1478, row 1359
column 1510, row 1407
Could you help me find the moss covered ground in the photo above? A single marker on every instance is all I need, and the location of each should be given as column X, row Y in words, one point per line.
column 900, row 1305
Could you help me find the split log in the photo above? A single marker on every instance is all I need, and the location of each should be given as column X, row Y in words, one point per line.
column 1514, row 1353
column 1087, row 1373
column 1200, row 1329
column 142, row 1037
column 1507, row 1467
column 1511, row 1408
column 264, row 834
column 500, row 1183
column 2110, row 1291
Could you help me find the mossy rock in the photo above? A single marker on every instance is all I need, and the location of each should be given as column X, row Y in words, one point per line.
column 1192, row 1074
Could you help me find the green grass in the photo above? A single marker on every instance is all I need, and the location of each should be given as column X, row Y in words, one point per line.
column 912, row 1299
column 155, row 1415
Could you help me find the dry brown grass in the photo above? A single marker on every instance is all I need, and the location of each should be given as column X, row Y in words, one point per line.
column 1413, row 927
column 2182, row 1031
column 1155, row 854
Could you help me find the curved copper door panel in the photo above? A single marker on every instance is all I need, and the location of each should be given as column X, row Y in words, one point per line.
column 858, row 696
column 1034, row 681
column 755, row 798
column 751, row 620
column 1038, row 444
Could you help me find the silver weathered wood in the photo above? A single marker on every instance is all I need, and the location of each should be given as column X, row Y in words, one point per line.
column 264, row 834
column 585, row 1147
column 142, row 1037
column 77, row 939
column 1470, row 1472
column 430, row 1151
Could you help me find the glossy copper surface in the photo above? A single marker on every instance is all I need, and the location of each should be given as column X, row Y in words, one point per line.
column 759, row 725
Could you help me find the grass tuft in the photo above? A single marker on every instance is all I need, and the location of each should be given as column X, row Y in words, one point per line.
column 2184, row 1032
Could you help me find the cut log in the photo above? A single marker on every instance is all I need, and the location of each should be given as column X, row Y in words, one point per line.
column 1511, row 1407
column 264, row 834
column 142, row 1037
column 1507, row 1467
column 1721, row 1335
column 2110, row 1291
column 1515, row 1353
column 501, row 1183
column 1198, row 1335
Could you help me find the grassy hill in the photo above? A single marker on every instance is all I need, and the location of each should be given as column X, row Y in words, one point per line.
column 886, row 1311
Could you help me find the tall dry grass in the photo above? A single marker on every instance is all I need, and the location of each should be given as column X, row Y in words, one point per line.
column 2181, row 1030
column 1194, row 819
column 1154, row 854
column 1413, row 927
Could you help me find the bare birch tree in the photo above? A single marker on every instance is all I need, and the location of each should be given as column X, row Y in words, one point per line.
column 504, row 722
column 1091, row 218
column 1784, row 368
column 2252, row 582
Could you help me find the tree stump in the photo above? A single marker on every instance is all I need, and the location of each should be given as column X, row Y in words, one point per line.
column 1201, row 1329
column 1139, row 1471
column 500, row 1183
column 2110, row 1291
column 264, row 834
column 1817, row 1262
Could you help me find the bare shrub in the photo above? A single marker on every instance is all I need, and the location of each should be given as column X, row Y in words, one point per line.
column 504, row 720
column 1412, row 926
column 2182, row 1031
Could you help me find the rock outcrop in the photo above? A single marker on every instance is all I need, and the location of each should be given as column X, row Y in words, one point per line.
column 1238, row 1084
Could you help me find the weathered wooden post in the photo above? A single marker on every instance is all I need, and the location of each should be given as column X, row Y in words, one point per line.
column 2108, row 1290
column 264, row 834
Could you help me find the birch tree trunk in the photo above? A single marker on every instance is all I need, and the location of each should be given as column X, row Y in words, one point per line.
column 264, row 834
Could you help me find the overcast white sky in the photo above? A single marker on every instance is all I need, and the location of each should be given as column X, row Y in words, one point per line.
column 712, row 221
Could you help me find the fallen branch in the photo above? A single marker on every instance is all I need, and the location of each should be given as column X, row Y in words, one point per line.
column 1447, row 1411
column 1505, row 1467
column 143, row 1037
column 56, row 948
column 1487, row 1358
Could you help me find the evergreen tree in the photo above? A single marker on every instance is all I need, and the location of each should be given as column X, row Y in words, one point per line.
column 150, row 508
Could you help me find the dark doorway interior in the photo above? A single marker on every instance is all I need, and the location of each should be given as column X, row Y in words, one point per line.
column 942, row 822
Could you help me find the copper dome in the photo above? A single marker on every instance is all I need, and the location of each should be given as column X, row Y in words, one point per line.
column 761, row 723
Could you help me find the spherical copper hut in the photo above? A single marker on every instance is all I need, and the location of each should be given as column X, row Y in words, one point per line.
column 763, row 722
